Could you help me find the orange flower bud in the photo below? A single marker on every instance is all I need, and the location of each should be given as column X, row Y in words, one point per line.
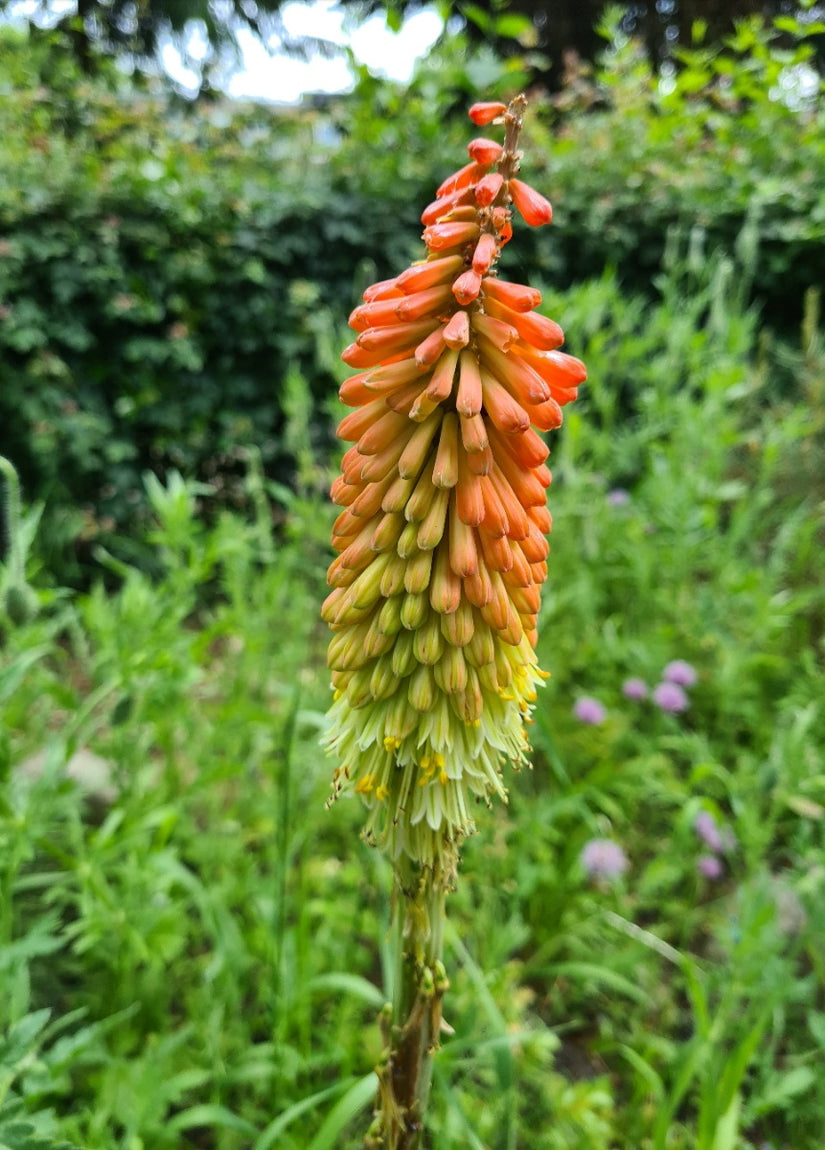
column 468, row 398
column 390, row 340
column 439, row 237
column 382, row 432
column 488, row 188
column 390, row 377
column 430, row 273
column 383, row 290
column 464, row 178
column 467, row 287
column 485, row 113
column 469, row 496
column 539, row 331
column 445, row 591
column 480, row 462
column 462, row 542
column 498, row 555
column 518, row 297
column 457, row 331
column 547, row 416
column 563, row 368
column 354, row 391
column 528, row 450
column 484, row 151
column 496, row 521
column 423, row 303
column 486, row 251
column 403, row 398
column 519, row 376
column 473, row 434
column 478, row 588
column 498, row 333
column 353, row 426
column 534, row 208
column 519, row 525
column 442, row 207
column 430, row 349
column 441, row 385
column 375, row 313
column 417, row 448
column 445, row 469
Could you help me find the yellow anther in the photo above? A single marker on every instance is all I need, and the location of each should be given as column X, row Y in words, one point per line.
column 365, row 785
column 443, row 778
column 392, row 743
column 381, row 793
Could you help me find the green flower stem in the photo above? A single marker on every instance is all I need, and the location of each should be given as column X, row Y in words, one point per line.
column 11, row 519
column 414, row 1025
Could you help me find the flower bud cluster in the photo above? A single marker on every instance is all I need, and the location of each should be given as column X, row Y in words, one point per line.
column 441, row 540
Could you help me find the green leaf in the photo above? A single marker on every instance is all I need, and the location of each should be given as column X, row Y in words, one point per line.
column 512, row 26
column 352, row 984
column 592, row 972
column 275, row 1129
column 726, row 1133
column 210, row 1115
column 356, row 1099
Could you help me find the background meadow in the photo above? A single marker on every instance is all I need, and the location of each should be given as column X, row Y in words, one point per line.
column 193, row 951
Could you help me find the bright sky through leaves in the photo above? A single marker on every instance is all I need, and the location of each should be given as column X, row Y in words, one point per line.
column 276, row 76
column 282, row 78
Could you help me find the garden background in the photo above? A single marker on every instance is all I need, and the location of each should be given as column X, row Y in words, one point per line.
column 193, row 951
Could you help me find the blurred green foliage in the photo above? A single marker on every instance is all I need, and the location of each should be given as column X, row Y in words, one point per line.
column 163, row 267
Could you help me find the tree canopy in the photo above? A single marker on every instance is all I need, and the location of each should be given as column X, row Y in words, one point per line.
column 204, row 31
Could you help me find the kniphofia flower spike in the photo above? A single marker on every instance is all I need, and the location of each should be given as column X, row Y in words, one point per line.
column 441, row 540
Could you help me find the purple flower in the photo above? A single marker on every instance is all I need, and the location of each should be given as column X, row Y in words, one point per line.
column 618, row 497
column 680, row 673
column 670, row 697
column 709, row 866
column 602, row 858
column 635, row 689
column 708, row 831
column 589, row 710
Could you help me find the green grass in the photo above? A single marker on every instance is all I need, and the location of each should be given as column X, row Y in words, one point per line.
column 198, row 958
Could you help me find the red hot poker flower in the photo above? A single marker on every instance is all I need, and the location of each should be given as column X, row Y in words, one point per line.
column 441, row 549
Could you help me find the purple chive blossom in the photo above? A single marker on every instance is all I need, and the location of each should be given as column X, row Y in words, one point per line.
column 602, row 858
column 618, row 497
column 680, row 673
column 670, row 697
column 708, row 831
column 709, row 866
column 589, row 710
column 635, row 689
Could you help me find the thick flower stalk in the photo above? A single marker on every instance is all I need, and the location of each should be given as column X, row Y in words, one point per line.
column 441, row 556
